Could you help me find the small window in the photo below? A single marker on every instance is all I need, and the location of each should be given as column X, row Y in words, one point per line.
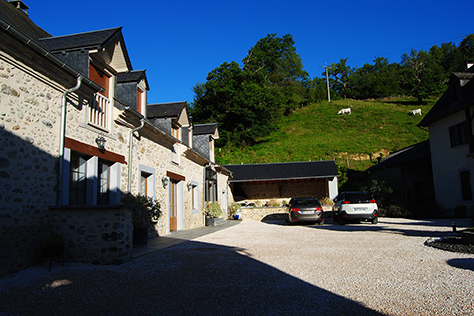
column 457, row 134
column 175, row 131
column 145, row 179
column 194, row 197
column 139, row 100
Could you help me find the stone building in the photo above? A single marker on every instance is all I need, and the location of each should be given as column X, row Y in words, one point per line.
column 76, row 135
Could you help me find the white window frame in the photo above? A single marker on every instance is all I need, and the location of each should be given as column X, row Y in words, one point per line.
column 91, row 180
column 150, row 180
column 194, row 197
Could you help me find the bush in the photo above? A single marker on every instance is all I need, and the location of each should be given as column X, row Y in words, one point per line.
column 381, row 191
column 145, row 210
column 394, row 211
column 213, row 209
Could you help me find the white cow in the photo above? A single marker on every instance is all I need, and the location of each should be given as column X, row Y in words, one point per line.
column 344, row 111
column 415, row 112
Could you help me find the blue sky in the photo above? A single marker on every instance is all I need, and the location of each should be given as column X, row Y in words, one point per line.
column 180, row 42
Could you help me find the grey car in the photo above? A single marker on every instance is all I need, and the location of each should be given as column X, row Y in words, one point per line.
column 305, row 209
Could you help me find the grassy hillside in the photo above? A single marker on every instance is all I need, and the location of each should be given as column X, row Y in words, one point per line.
column 316, row 132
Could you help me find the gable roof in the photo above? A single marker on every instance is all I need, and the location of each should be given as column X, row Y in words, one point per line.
column 165, row 110
column 459, row 95
column 133, row 76
column 206, row 129
column 108, row 44
column 88, row 40
column 21, row 21
column 283, row 171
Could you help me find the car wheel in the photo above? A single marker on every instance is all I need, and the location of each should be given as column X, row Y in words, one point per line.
column 340, row 220
column 375, row 220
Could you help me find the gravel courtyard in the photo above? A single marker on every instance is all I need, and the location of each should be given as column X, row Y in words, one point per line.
column 256, row 268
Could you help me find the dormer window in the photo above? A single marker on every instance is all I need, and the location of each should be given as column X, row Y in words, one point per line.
column 140, row 106
column 175, row 131
column 98, row 114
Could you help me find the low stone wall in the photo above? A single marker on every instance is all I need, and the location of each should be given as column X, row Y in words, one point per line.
column 268, row 213
column 95, row 234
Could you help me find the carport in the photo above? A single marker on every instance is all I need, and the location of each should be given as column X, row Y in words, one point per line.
column 276, row 181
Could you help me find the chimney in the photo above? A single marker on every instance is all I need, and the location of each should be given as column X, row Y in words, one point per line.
column 20, row 6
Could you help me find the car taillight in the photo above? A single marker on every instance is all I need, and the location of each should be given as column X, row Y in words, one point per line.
column 294, row 209
column 346, row 202
column 372, row 201
column 319, row 209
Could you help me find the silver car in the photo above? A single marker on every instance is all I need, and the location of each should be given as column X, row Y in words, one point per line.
column 355, row 206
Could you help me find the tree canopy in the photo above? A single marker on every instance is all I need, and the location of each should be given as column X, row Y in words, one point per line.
column 248, row 100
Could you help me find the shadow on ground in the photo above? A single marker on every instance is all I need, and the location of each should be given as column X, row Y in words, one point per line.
column 413, row 228
column 462, row 263
column 191, row 278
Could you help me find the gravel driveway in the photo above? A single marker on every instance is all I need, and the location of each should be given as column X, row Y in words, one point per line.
column 256, row 268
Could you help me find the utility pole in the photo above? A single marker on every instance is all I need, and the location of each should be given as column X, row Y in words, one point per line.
column 327, row 83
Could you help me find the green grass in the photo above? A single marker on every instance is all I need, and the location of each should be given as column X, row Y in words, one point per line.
column 316, row 132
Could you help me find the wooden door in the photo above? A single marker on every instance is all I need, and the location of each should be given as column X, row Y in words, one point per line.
column 174, row 208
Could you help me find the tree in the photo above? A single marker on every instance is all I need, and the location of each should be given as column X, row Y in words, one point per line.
column 467, row 48
column 244, row 109
column 339, row 74
column 275, row 61
column 422, row 76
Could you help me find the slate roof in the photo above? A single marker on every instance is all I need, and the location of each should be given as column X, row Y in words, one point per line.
column 405, row 155
column 205, row 129
column 89, row 40
column 21, row 21
column 458, row 96
column 162, row 110
column 133, row 76
column 283, row 171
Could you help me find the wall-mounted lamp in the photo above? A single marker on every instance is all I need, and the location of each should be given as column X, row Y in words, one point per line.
column 190, row 186
column 164, row 180
column 100, row 140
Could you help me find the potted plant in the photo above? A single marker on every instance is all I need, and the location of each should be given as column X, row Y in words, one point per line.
column 145, row 213
column 212, row 211
column 234, row 212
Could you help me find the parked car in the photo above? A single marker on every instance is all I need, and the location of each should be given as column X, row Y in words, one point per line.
column 305, row 209
column 355, row 206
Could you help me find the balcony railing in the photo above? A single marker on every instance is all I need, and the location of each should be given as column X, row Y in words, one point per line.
column 99, row 112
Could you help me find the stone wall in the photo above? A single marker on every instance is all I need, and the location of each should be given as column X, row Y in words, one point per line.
column 98, row 235
column 30, row 107
column 268, row 213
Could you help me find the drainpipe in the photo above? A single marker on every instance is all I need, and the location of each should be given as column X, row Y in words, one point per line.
column 62, row 136
column 130, row 147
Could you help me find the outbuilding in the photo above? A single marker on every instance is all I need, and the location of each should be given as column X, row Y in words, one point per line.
column 278, row 182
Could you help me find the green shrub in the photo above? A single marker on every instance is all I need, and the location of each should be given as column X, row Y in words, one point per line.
column 145, row 211
column 213, row 209
column 394, row 211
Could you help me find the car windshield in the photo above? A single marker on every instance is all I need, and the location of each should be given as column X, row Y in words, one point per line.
column 306, row 202
column 358, row 197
